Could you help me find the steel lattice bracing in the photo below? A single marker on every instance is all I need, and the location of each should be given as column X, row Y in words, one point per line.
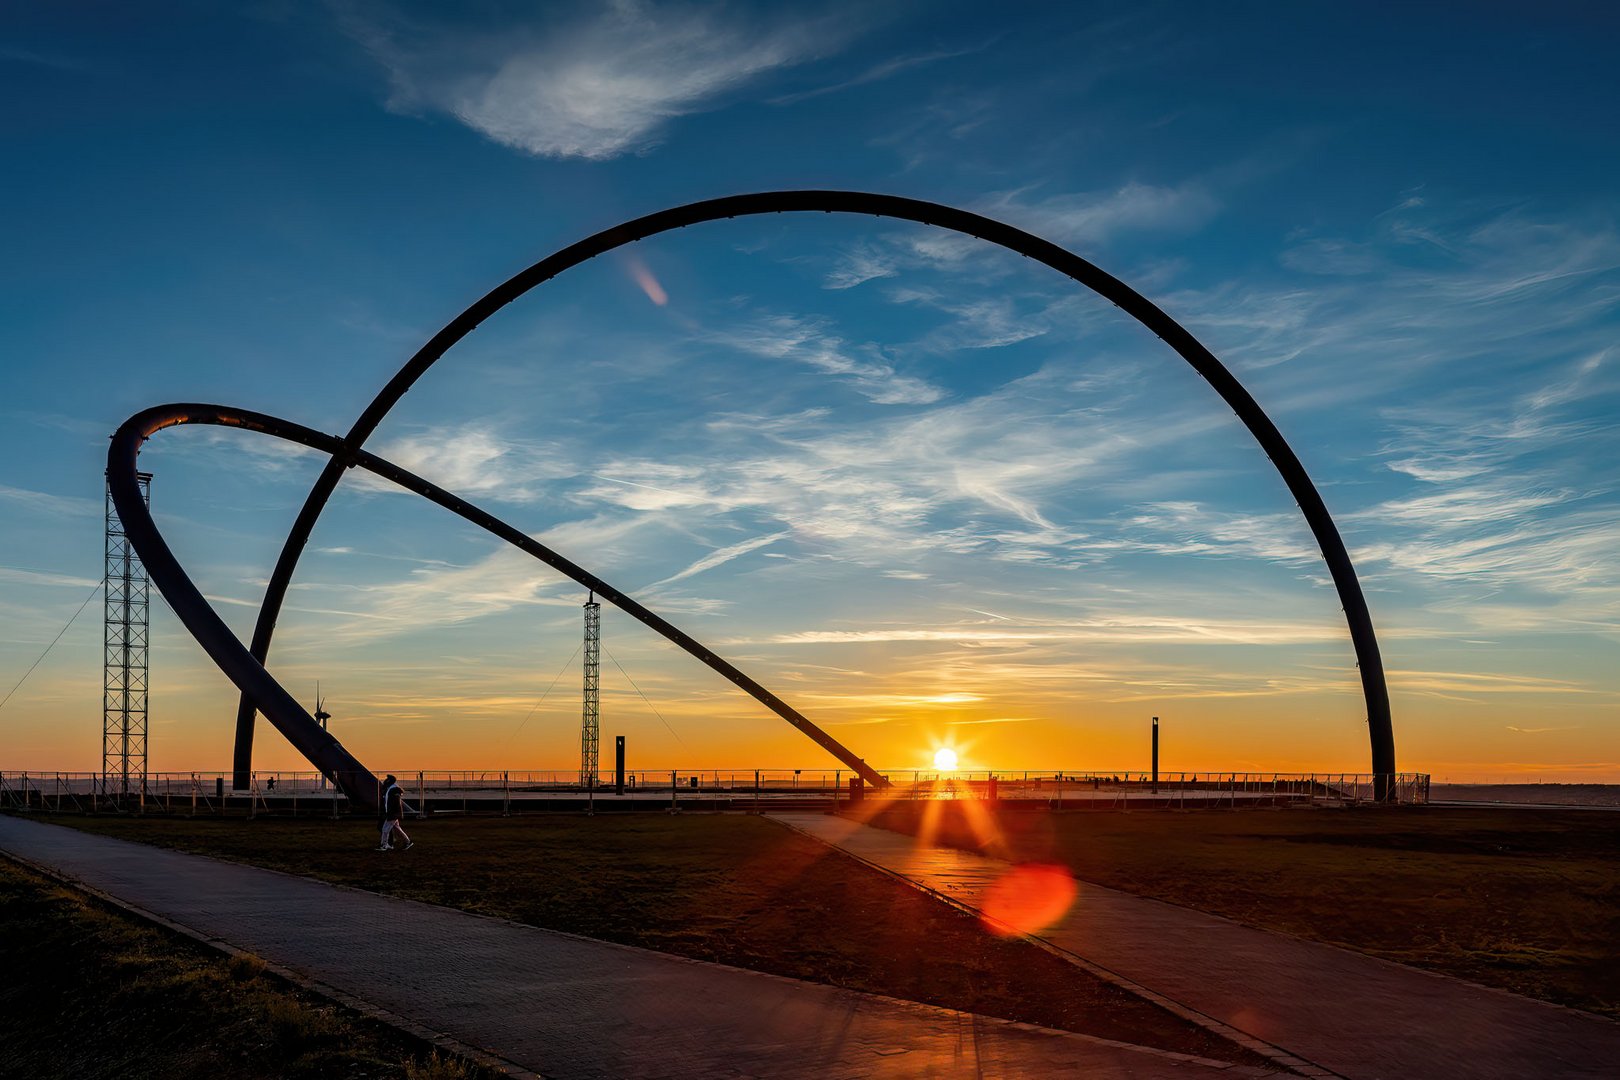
column 590, row 727
column 126, row 603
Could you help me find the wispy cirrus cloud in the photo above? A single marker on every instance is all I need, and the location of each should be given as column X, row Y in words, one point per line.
column 471, row 459
column 1474, row 682
column 878, row 72
column 810, row 342
column 22, row 576
column 594, row 84
column 1080, row 219
column 1113, row 629
column 43, row 502
column 719, row 557
column 1091, row 218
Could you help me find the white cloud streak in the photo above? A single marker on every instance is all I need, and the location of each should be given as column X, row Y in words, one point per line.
column 809, row 342
column 719, row 557
column 593, row 87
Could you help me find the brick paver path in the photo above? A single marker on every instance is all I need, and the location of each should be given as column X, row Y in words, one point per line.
column 1355, row 1015
column 565, row 1006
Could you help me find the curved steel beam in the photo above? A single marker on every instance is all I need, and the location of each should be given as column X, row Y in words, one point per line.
column 1359, row 619
column 251, row 677
column 198, row 616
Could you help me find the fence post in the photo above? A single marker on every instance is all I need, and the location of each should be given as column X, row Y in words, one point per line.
column 421, row 798
column 506, row 794
column 674, row 792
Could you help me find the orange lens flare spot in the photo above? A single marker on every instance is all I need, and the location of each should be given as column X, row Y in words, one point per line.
column 1028, row 899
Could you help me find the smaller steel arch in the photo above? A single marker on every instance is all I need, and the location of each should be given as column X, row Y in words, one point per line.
column 238, row 663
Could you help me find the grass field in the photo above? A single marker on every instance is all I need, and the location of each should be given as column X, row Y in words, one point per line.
column 1525, row 900
column 733, row 888
column 90, row 992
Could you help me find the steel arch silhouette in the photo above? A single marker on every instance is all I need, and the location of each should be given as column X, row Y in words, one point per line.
column 285, row 713
column 1358, row 618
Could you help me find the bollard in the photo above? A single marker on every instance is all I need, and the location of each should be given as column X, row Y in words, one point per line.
column 1155, row 755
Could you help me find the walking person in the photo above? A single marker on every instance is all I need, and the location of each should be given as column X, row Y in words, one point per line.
column 392, row 805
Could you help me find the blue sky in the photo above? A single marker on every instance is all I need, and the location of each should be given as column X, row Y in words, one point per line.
column 926, row 491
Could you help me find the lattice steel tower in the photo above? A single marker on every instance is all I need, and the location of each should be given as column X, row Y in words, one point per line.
column 590, row 728
column 123, row 699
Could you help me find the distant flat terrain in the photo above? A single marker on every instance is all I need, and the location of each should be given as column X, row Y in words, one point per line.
column 1529, row 794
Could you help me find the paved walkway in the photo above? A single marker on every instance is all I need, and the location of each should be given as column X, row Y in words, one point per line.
column 1357, row 1016
column 564, row 1006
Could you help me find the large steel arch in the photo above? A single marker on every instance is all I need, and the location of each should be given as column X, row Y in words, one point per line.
column 1357, row 616
column 314, row 742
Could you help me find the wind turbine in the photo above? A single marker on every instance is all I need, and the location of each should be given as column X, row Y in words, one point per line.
column 321, row 717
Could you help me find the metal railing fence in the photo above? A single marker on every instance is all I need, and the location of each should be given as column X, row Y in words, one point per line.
column 514, row 790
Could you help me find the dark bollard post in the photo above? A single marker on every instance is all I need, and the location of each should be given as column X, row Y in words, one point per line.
column 857, row 790
column 618, row 764
column 1155, row 755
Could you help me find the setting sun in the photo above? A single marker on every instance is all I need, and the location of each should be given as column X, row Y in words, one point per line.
column 945, row 759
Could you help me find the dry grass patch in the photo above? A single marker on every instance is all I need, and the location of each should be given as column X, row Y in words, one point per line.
column 732, row 888
column 1525, row 900
column 90, row 993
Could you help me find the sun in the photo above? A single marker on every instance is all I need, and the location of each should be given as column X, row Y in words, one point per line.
column 945, row 759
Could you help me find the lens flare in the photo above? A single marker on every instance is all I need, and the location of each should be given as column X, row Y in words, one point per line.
column 1028, row 898
column 642, row 276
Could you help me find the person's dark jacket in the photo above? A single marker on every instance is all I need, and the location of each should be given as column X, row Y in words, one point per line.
column 394, row 803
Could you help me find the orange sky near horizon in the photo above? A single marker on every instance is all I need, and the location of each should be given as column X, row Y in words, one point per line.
column 703, row 724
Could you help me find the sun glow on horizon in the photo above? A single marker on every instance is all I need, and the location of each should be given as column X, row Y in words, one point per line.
column 945, row 759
